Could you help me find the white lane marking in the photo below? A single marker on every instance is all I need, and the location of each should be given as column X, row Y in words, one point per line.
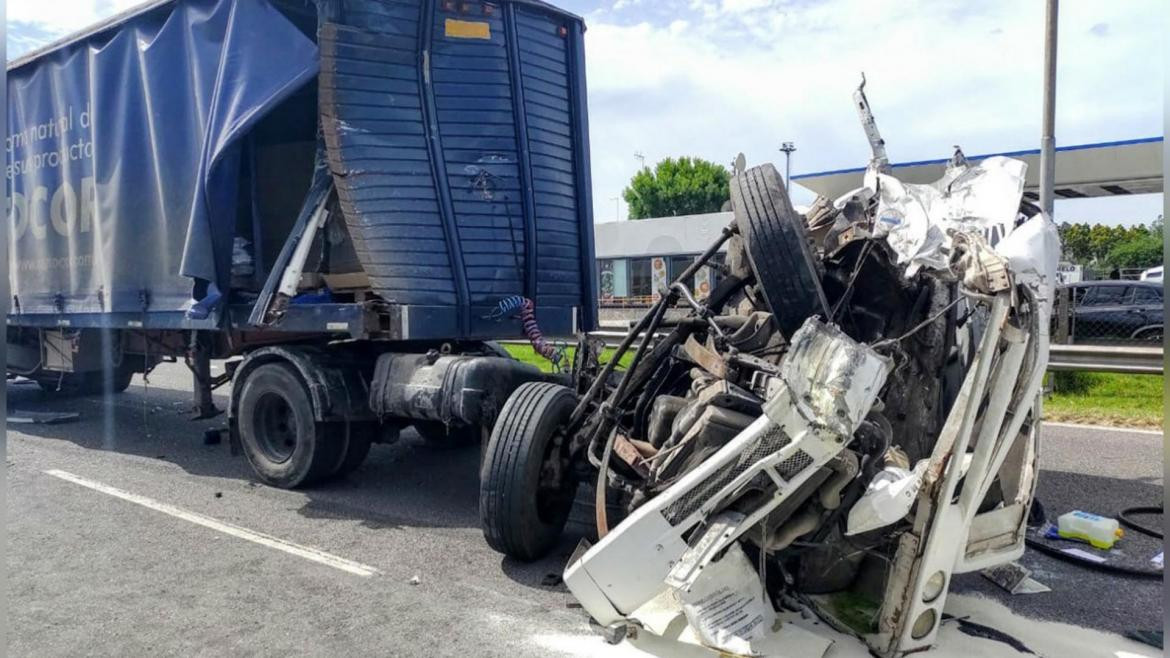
column 1107, row 428
column 349, row 566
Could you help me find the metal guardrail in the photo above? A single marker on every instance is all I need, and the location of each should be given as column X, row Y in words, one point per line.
column 1138, row 360
column 1106, row 358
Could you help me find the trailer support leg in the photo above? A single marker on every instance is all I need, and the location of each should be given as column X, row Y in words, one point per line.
column 200, row 362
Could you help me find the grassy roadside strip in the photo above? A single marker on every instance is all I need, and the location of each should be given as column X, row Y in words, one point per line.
column 1098, row 398
column 526, row 354
column 1092, row 398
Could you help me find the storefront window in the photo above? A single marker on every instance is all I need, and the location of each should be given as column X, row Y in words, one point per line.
column 639, row 270
column 611, row 278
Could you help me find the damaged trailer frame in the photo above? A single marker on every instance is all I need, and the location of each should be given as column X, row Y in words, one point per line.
column 348, row 199
column 854, row 408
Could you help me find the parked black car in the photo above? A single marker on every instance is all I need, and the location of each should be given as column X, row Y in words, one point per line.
column 1116, row 311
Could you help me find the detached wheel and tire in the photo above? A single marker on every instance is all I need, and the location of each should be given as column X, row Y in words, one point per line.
column 523, row 515
column 777, row 246
column 285, row 445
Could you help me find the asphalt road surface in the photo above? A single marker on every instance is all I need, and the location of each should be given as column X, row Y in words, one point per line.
column 128, row 535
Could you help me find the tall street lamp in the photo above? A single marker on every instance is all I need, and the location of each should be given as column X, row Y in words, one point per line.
column 787, row 148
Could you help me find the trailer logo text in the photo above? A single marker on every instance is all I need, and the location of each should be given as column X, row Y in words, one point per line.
column 51, row 146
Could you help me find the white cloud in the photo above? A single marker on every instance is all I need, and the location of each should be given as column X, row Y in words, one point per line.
column 65, row 16
column 33, row 23
column 939, row 74
column 739, row 6
column 716, row 77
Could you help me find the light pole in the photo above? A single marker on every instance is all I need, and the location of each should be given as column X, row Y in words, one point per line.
column 1048, row 133
column 787, row 148
column 641, row 160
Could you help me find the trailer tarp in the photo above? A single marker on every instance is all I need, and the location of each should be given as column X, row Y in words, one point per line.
column 124, row 151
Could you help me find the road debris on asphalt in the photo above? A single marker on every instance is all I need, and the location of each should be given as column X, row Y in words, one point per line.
column 847, row 420
column 42, row 417
column 1015, row 578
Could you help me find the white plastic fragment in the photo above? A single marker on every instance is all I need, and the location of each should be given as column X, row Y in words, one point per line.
column 887, row 499
column 726, row 605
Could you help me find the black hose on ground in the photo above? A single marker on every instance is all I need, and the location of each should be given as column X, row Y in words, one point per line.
column 1037, row 518
column 1089, row 564
column 1123, row 517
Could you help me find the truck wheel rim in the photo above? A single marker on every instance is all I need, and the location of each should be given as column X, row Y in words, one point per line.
column 275, row 427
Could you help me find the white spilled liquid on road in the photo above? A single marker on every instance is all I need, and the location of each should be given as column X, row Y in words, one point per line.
column 1042, row 637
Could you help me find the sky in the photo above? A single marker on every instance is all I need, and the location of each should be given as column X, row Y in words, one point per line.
column 713, row 78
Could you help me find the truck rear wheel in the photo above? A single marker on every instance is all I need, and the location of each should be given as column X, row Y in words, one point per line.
column 357, row 446
column 523, row 514
column 285, row 445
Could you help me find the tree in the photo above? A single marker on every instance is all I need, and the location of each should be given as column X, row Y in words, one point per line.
column 686, row 186
column 1141, row 251
column 1102, row 239
column 1075, row 238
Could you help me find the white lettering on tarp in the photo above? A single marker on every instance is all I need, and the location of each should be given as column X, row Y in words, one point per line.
column 33, row 207
column 17, row 215
column 64, row 210
column 36, row 219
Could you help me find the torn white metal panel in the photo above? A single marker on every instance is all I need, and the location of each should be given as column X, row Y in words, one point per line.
column 838, row 379
column 997, row 399
column 877, row 145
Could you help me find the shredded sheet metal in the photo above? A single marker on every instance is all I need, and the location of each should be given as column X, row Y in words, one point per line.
column 916, row 218
column 833, row 378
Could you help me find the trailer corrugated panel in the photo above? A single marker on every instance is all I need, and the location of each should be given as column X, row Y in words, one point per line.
column 544, row 66
column 455, row 135
column 453, row 131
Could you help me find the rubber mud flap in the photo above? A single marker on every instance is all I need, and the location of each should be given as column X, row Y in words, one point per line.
column 777, row 246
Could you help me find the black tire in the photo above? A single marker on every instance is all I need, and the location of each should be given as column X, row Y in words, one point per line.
column 357, row 448
column 85, row 383
column 777, row 246
column 440, row 435
column 278, row 433
column 519, row 518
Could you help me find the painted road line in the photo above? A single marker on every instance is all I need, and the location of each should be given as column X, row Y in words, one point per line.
column 321, row 557
column 1078, row 426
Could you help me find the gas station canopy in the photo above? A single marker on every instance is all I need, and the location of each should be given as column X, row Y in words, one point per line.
column 1132, row 166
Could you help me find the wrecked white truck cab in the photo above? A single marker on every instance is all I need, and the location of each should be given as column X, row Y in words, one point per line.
column 849, row 418
column 826, row 386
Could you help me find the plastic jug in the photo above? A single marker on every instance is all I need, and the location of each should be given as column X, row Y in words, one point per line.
column 1099, row 531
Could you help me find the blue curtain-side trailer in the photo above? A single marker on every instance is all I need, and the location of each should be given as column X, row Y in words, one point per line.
column 347, row 199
